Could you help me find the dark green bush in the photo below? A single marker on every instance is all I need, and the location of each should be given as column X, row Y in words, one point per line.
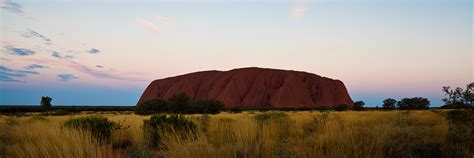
column 341, row 107
column 152, row 106
column 458, row 105
column 180, row 103
column 99, row 126
column 207, row 106
column 161, row 124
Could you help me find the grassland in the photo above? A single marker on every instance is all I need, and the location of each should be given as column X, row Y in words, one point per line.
column 291, row 134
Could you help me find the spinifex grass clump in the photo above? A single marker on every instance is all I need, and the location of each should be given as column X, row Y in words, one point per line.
column 99, row 126
column 158, row 125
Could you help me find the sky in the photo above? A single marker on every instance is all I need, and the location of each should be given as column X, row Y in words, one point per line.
column 105, row 52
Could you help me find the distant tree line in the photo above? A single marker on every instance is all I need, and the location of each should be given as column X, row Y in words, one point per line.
column 415, row 103
column 180, row 103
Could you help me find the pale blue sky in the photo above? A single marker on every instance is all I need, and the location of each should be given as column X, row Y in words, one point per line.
column 379, row 48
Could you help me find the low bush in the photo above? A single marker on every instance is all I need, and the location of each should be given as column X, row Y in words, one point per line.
column 161, row 124
column 99, row 126
column 152, row 106
column 207, row 106
column 341, row 107
column 457, row 105
column 180, row 103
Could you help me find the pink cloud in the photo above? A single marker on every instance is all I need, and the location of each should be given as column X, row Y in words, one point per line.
column 150, row 26
column 298, row 9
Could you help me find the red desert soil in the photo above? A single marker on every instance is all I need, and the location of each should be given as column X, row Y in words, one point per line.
column 253, row 87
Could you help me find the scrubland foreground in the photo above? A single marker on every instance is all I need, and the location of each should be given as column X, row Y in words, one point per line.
column 427, row 133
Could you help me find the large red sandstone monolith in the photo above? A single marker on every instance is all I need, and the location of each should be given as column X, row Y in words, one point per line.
column 253, row 87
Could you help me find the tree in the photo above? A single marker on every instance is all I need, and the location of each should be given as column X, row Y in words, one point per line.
column 359, row 105
column 389, row 103
column 468, row 95
column 46, row 102
column 459, row 98
column 413, row 103
column 179, row 102
column 452, row 96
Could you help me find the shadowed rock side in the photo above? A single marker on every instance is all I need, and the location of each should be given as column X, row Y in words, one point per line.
column 253, row 87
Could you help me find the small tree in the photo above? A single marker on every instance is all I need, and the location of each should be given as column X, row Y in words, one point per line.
column 359, row 105
column 389, row 103
column 46, row 102
column 468, row 95
column 459, row 98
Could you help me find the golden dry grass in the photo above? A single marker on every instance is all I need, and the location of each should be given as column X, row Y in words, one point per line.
column 302, row 134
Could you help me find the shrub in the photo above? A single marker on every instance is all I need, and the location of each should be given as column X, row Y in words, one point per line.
column 457, row 105
column 99, row 126
column 152, row 106
column 324, row 108
column 160, row 124
column 207, row 106
column 341, row 107
column 179, row 103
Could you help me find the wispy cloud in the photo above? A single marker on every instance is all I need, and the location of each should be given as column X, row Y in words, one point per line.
column 93, row 51
column 33, row 34
column 10, row 75
column 66, row 77
column 35, row 66
column 99, row 66
column 19, row 51
column 164, row 21
column 4, row 78
column 4, row 59
column 60, row 56
column 12, row 7
column 150, row 26
column 298, row 9
column 95, row 73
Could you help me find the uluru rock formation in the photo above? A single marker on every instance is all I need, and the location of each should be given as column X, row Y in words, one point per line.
column 253, row 87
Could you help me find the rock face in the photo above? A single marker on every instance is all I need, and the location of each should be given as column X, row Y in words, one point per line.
column 253, row 87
